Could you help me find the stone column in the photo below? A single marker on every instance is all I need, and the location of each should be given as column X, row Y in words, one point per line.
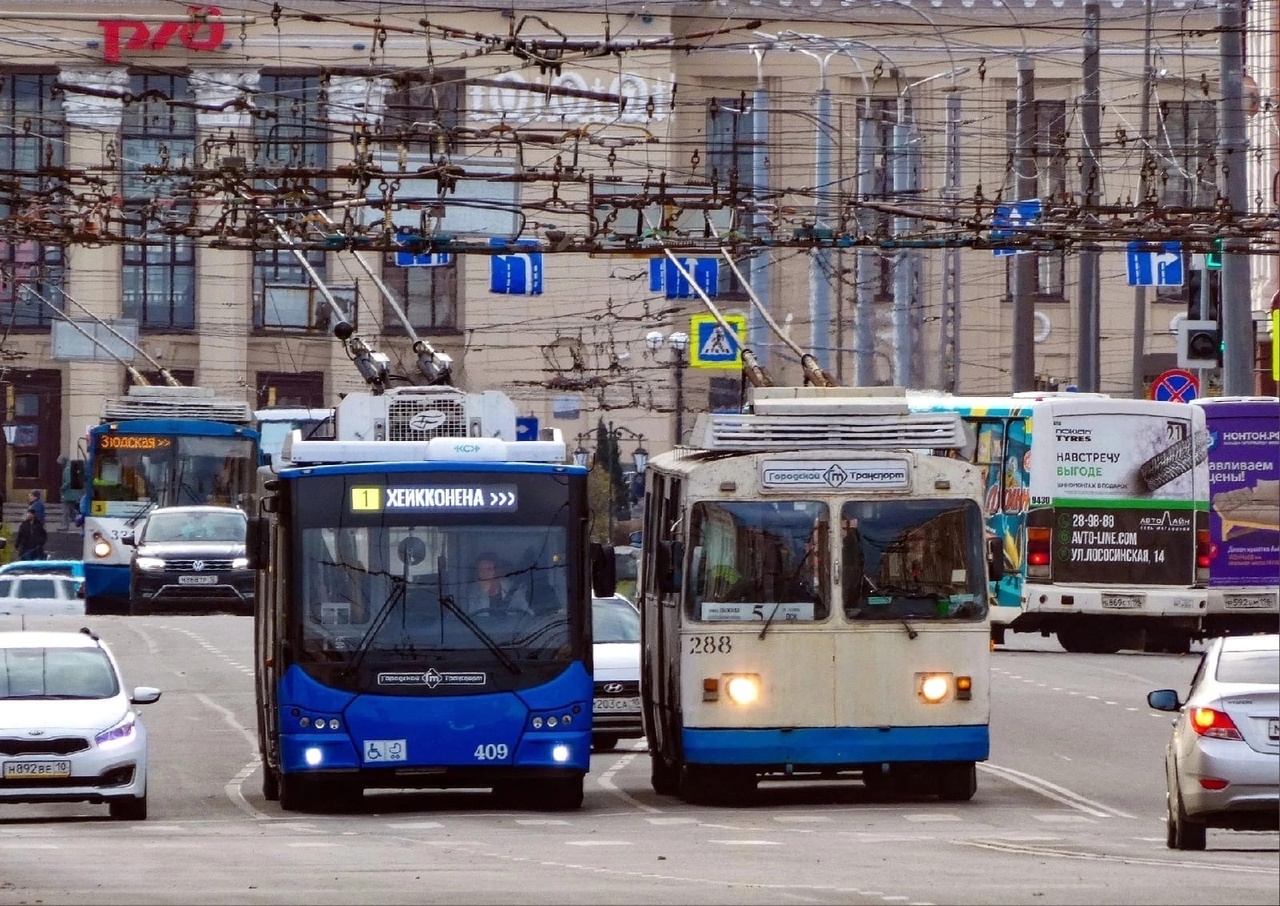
column 224, row 277
column 93, row 105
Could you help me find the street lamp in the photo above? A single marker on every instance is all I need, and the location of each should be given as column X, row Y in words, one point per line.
column 589, row 459
column 677, row 342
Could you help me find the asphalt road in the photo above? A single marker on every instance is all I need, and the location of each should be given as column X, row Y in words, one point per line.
column 1069, row 810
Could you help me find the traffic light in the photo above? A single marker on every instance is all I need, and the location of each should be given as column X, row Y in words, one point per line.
column 1213, row 257
column 1199, row 344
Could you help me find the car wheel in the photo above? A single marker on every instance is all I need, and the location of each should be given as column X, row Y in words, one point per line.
column 270, row 784
column 664, row 779
column 132, row 808
column 604, row 743
column 1183, row 833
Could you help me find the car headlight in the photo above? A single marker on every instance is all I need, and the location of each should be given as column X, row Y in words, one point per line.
column 148, row 562
column 933, row 687
column 743, row 689
column 118, row 735
column 240, row 563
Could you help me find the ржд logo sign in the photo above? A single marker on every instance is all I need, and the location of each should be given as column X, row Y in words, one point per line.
column 199, row 35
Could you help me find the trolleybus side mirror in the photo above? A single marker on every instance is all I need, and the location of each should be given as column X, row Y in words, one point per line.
column 670, row 558
column 256, row 542
column 130, row 539
column 995, row 559
column 604, row 570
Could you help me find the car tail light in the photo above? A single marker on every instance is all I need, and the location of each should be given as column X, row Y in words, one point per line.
column 1039, row 544
column 1213, row 783
column 1214, row 724
column 1204, row 553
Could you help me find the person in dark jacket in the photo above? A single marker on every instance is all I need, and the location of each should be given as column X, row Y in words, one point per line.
column 31, row 536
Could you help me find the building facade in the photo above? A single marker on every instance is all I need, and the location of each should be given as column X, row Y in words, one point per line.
column 185, row 181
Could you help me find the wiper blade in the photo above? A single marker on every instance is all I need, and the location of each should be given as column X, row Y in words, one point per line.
column 142, row 512
column 366, row 640
column 447, row 601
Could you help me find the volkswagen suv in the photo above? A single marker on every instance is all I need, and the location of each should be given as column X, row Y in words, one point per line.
column 191, row 559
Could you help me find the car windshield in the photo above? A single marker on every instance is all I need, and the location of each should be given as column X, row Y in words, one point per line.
column 614, row 621
column 36, row 673
column 195, row 527
column 1251, row 667
column 38, row 588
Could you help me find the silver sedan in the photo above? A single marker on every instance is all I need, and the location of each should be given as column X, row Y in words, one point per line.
column 1222, row 764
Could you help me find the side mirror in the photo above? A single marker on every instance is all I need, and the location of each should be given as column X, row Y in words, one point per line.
column 130, row 539
column 144, row 695
column 669, row 565
column 604, row 570
column 1164, row 700
column 257, row 542
column 995, row 559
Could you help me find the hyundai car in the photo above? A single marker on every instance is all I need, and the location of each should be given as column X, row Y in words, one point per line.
column 615, row 627
column 1222, row 763
column 68, row 730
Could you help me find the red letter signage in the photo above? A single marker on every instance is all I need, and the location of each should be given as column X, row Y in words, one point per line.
column 198, row 35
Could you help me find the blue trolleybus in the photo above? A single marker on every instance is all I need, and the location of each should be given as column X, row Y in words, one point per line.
column 157, row 446
column 383, row 662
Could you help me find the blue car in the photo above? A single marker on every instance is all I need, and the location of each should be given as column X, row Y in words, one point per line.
column 73, row 568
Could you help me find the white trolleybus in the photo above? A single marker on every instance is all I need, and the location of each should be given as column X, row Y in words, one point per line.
column 814, row 599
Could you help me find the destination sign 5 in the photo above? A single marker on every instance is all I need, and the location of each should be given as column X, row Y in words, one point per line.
column 434, row 499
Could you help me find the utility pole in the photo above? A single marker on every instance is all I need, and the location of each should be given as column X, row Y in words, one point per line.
column 864, row 312
column 1088, row 328
column 1024, row 275
column 950, row 334
column 1144, row 136
column 1235, row 307
column 757, row 329
column 903, row 345
column 820, row 257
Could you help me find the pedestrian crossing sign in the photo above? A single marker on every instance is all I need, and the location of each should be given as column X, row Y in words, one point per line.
column 713, row 346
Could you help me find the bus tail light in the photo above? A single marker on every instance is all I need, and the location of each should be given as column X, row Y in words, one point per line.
column 1039, row 548
column 1204, row 553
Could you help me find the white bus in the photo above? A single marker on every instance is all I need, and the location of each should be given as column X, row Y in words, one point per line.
column 1100, row 505
column 814, row 600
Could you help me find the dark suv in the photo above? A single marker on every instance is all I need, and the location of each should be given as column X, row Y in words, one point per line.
column 191, row 559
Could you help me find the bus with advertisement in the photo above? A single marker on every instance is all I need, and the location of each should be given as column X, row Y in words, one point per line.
column 1244, row 513
column 1100, row 505
column 154, row 447
column 379, row 665
column 814, row 593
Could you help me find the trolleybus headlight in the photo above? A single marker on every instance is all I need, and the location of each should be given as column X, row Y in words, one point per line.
column 933, row 687
column 101, row 547
column 537, row 723
column 313, row 756
column 146, row 562
column 742, row 690
column 560, row 753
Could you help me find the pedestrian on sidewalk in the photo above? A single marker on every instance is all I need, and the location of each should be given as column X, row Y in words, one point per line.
column 34, row 502
column 70, row 496
column 31, row 537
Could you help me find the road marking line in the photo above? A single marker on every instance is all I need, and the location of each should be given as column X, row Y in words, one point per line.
column 1053, row 791
column 312, row 844
column 416, row 825
column 606, row 782
column 801, row 819
column 540, row 822
column 598, row 843
column 746, row 842
column 1103, row 857
column 933, row 816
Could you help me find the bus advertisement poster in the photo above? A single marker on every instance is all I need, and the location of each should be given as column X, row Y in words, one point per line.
column 1244, row 495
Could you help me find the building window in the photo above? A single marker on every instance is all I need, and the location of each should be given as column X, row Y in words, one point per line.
column 291, row 137
column 1049, row 154
column 730, row 142
column 1184, row 145
column 31, row 145
column 158, row 136
column 428, row 295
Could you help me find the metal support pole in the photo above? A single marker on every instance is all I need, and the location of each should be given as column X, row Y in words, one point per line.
column 868, row 259
column 757, row 329
column 1024, row 276
column 679, row 398
column 903, row 357
column 1144, row 130
column 949, row 340
column 1235, row 306
column 1088, row 331
column 820, row 257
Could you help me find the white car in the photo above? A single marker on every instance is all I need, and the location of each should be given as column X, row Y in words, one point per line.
column 32, row 594
column 615, row 627
column 68, row 730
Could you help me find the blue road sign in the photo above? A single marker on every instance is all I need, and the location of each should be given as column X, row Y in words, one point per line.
column 426, row 259
column 1009, row 218
column 1155, row 264
column 1175, row 385
column 517, row 273
column 665, row 277
column 526, row 427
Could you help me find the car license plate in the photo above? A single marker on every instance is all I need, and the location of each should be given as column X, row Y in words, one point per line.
column 1273, row 728
column 1122, row 602
column 198, row 580
column 1248, row 602
column 15, row 770
column 611, row 705
column 380, row 750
